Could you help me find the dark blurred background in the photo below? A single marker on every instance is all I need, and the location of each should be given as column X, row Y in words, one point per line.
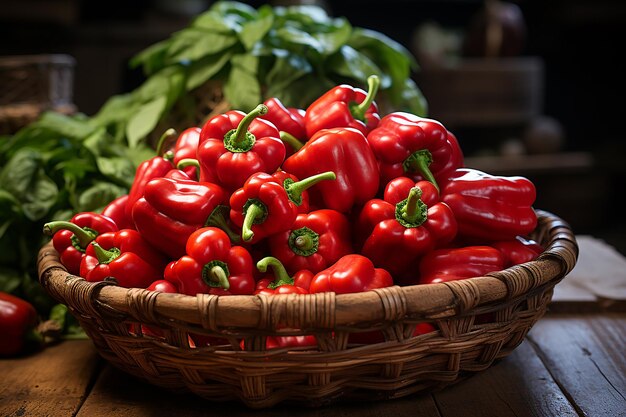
column 542, row 95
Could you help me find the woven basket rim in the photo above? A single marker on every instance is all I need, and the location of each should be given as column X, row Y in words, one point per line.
column 419, row 302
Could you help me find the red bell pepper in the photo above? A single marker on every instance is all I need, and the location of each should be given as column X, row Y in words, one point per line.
column 279, row 282
column 125, row 256
column 186, row 147
column 116, row 211
column 266, row 205
column 70, row 239
column 449, row 264
column 235, row 145
column 412, row 146
column 171, row 210
column 212, row 266
column 344, row 106
column 289, row 121
column 490, row 207
column 397, row 235
column 154, row 167
column 345, row 152
column 314, row 242
column 350, row 274
column 18, row 319
column 518, row 251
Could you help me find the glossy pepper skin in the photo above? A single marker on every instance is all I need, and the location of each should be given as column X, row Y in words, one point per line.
column 235, row 145
column 315, row 241
column 116, row 211
column 154, row 167
column 397, row 233
column 518, row 251
column 71, row 239
column 289, row 121
column 18, row 317
column 279, row 281
column 125, row 256
column 172, row 209
column 411, row 146
column 268, row 204
column 490, row 207
column 350, row 274
column 344, row 106
column 449, row 264
column 345, row 152
column 212, row 266
column 185, row 148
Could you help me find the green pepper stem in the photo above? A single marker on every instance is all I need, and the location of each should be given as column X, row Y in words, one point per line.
column 217, row 218
column 358, row 112
column 189, row 162
column 160, row 150
column 105, row 256
column 239, row 137
column 290, row 140
column 280, row 273
column 295, row 189
column 420, row 161
column 412, row 212
column 218, row 275
column 253, row 212
column 304, row 242
column 84, row 236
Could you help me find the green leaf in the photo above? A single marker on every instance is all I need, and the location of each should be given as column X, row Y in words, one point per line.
column 242, row 89
column 118, row 169
column 40, row 198
column 152, row 58
column 115, row 108
column 333, row 40
column 213, row 22
column 10, row 279
column 286, row 69
column 205, row 69
column 62, row 125
column 413, row 101
column 145, row 120
column 96, row 197
column 192, row 44
column 349, row 63
column 254, row 30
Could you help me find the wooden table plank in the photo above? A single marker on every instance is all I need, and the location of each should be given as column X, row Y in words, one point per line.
column 587, row 357
column 519, row 385
column 50, row 383
column 117, row 394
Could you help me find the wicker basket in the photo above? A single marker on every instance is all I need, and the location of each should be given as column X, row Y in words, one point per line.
column 477, row 321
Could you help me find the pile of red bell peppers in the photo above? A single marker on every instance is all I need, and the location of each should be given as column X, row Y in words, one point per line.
column 335, row 197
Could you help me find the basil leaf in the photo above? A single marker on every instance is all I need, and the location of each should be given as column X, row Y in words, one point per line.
column 41, row 196
column 96, row 197
column 348, row 62
column 120, row 170
column 286, row 69
column 242, row 88
column 145, row 120
column 205, row 69
column 194, row 44
column 254, row 30
column 10, row 279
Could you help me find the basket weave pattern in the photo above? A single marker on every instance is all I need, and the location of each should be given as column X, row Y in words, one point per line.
column 477, row 322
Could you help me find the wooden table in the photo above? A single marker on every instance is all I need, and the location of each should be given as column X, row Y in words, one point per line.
column 572, row 363
column 569, row 365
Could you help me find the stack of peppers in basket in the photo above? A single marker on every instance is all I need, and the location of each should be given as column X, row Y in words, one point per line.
column 336, row 197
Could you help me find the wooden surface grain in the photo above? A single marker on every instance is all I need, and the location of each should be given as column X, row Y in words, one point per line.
column 569, row 365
